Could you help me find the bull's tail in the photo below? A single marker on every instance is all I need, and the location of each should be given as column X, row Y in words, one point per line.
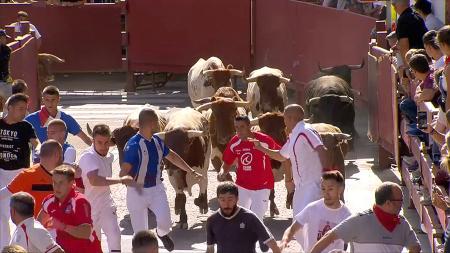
column 50, row 58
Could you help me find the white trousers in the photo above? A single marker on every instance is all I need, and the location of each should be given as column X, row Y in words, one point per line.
column 153, row 198
column 6, row 176
column 303, row 195
column 255, row 200
column 104, row 217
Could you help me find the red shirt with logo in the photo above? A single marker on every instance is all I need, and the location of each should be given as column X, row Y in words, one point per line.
column 254, row 170
column 75, row 210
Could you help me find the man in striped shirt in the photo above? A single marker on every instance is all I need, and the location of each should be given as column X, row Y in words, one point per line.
column 29, row 233
column 143, row 155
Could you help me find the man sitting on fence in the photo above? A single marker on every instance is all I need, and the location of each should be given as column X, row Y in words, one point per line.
column 5, row 78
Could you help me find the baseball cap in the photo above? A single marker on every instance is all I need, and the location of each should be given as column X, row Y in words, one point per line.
column 3, row 33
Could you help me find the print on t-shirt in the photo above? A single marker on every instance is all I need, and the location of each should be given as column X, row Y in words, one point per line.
column 15, row 145
column 324, row 227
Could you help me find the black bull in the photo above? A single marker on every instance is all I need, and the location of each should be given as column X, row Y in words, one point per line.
column 329, row 99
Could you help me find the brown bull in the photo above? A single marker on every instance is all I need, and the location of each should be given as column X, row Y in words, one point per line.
column 225, row 105
column 186, row 134
column 45, row 75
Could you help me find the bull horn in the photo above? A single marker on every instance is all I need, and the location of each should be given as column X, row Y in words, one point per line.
column 203, row 100
column 161, row 135
column 355, row 67
column 235, row 72
column 208, row 72
column 251, row 79
column 241, row 103
column 313, row 100
column 342, row 136
column 346, row 99
column 204, row 107
column 254, row 122
column 284, row 79
column 323, row 70
column 195, row 133
column 89, row 130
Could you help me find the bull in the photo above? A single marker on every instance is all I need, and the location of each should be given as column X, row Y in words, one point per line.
column 266, row 91
column 186, row 134
column 329, row 99
column 45, row 75
column 205, row 77
column 342, row 71
column 225, row 105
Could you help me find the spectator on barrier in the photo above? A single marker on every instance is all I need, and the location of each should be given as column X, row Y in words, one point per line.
column 5, row 78
column 380, row 229
column 443, row 38
column 69, row 2
column 233, row 228
column 410, row 29
column 23, row 16
column 423, row 8
column 144, row 242
column 321, row 216
column 14, row 249
column 433, row 50
column 41, row 118
column 29, row 233
column 69, row 212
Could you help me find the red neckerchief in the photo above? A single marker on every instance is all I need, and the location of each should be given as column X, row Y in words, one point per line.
column 447, row 60
column 43, row 115
column 389, row 221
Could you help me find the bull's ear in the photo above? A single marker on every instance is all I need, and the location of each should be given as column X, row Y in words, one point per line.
column 342, row 136
column 203, row 100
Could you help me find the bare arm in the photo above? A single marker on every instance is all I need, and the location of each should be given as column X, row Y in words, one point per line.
column 34, row 143
column 125, row 169
column 425, row 95
column 289, row 234
column 273, row 246
column 96, row 180
column 414, row 249
column 329, row 238
column 84, row 138
column 323, row 155
column 82, row 231
column 403, row 45
column 179, row 162
column 273, row 154
column 210, row 249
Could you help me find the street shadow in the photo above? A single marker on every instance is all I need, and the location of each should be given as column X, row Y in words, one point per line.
column 125, row 223
column 351, row 169
column 213, row 204
column 277, row 226
column 385, row 175
column 184, row 239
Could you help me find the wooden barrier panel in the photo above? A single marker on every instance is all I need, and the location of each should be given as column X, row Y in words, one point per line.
column 23, row 65
column 172, row 35
column 290, row 36
column 88, row 37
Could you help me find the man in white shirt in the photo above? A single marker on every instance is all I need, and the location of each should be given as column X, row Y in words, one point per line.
column 96, row 166
column 29, row 233
column 321, row 216
column 22, row 16
column 423, row 8
column 307, row 154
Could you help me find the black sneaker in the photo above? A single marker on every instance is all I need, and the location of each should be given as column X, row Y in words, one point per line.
column 167, row 242
column 263, row 247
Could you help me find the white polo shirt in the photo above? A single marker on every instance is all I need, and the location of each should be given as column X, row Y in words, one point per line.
column 32, row 28
column 33, row 237
column 300, row 149
column 90, row 160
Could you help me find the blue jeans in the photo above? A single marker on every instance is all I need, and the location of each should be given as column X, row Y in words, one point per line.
column 409, row 108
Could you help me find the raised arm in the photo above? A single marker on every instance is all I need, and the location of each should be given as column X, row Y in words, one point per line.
column 323, row 243
column 180, row 163
column 273, row 154
column 82, row 135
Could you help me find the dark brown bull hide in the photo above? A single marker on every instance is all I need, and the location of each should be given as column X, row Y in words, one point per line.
column 329, row 99
column 269, row 99
column 342, row 71
column 120, row 137
column 220, row 77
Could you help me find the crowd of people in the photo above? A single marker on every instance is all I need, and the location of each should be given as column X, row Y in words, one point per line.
column 59, row 203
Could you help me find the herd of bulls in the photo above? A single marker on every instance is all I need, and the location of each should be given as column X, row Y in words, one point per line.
column 200, row 134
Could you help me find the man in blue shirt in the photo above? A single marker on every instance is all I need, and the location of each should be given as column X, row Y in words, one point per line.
column 143, row 155
column 41, row 118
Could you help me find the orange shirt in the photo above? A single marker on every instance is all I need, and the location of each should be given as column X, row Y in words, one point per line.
column 36, row 181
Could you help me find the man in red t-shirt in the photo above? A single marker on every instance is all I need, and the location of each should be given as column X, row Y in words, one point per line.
column 254, row 176
column 70, row 214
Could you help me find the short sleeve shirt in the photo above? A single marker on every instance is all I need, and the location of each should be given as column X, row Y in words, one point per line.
column 69, row 154
column 145, row 160
column 411, row 26
column 75, row 210
column 33, row 237
column 15, row 145
column 377, row 238
column 254, row 170
column 428, row 83
column 317, row 219
column 41, row 130
column 238, row 233
column 300, row 148
column 36, row 181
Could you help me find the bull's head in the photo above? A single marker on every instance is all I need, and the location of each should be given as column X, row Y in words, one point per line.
column 120, row 137
column 333, row 109
column 186, row 143
column 269, row 81
column 220, row 77
column 272, row 124
column 342, row 71
column 224, row 111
